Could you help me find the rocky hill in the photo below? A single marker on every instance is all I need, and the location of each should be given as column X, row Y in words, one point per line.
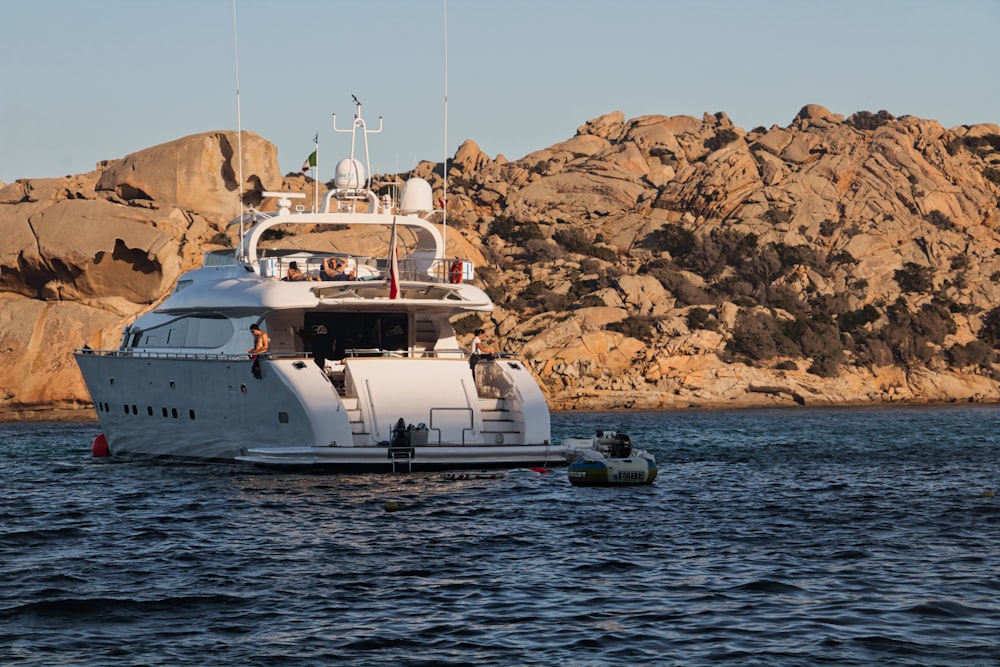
column 648, row 263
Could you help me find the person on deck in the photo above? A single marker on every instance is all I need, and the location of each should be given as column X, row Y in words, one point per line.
column 332, row 266
column 478, row 351
column 294, row 274
column 335, row 268
column 261, row 341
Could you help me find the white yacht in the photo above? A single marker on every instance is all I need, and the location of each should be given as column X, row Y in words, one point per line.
column 363, row 372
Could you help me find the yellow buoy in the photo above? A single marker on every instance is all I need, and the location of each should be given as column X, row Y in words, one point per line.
column 391, row 506
column 987, row 493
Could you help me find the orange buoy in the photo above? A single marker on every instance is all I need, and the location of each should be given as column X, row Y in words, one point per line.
column 99, row 448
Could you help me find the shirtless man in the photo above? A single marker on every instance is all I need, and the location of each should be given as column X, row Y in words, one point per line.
column 260, row 341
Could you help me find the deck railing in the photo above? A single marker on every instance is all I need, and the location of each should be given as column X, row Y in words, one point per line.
column 446, row 270
column 350, row 352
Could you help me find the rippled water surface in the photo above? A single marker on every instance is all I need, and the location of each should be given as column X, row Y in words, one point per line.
column 847, row 537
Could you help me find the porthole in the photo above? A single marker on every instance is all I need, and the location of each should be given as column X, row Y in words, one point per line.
column 164, row 412
column 191, row 414
column 173, row 413
column 135, row 409
column 126, row 409
column 149, row 410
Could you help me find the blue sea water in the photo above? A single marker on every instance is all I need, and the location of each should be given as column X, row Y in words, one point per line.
column 771, row 537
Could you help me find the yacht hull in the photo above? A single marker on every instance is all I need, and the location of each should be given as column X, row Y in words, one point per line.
column 215, row 408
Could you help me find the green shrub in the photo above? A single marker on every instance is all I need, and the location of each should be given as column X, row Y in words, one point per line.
column 603, row 252
column 762, row 267
column 914, row 278
column 671, row 238
column 700, row 318
column 933, row 321
column 467, row 324
column 722, row 138
column 856, row 319
column 973, row 353
column 590, row 301
column 866, row 120
column 274, row 234
column 540, row 250
column 990, row 332
column 511, row 230
column 759, row 336
column 816, row 336
column 940, row 220
column 539, row 298
column 842, row 257
column 573, row 240
column 636, row 326
column 576, row 241
column 680, row 287
column 826, row 366
column 982, row 145
column 497, row 294
column 722, row 248
column 871, row 349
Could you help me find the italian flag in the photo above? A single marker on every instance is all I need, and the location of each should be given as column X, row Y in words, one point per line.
column 310, row 162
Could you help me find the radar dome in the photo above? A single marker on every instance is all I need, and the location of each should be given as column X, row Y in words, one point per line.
column 416, row 196
column 350, row 174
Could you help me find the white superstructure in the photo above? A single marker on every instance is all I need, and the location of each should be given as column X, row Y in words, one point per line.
column 363, row 372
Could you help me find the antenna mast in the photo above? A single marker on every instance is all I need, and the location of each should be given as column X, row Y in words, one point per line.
column 239, row 125
column 359, row 124
column 444, row 167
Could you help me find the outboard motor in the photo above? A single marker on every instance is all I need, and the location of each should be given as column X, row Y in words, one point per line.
column 621, row 446
column 400, row 436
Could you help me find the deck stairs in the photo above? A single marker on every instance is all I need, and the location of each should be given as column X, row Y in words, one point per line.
column 358, row 426
column 499, row 425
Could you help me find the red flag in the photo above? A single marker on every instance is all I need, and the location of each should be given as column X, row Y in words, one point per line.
column 393, row 269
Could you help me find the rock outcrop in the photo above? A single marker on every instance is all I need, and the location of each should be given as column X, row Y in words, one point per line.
column 655, row 262
column 82, row 255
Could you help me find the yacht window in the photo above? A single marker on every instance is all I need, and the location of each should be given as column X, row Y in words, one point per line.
column 359, row 331
column 202, row 330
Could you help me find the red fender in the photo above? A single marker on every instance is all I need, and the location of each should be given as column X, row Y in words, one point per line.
column 455, row 272
column 99, row 447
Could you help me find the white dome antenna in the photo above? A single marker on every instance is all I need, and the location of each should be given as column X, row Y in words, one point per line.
column 416, row 196
column 350, row 174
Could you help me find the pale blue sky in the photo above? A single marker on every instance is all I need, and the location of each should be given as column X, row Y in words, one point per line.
column 86, row 80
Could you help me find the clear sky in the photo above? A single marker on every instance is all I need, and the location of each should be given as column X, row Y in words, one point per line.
column 86, row 80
